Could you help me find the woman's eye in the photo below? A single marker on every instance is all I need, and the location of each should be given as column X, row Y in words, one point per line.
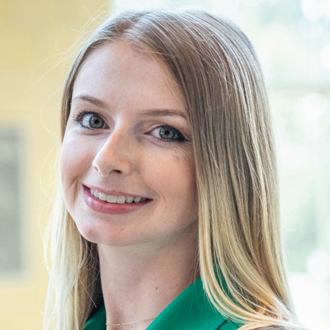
column 169, row 133
column 91, row 120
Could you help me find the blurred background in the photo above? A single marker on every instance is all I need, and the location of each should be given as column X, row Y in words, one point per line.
column 292, row 39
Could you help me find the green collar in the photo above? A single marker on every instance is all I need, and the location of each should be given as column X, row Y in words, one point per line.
column 191, row 310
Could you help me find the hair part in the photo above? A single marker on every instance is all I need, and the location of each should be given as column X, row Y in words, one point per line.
column 214, row 67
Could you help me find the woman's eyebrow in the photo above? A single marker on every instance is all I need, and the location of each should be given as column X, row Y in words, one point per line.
column 162, row 112
column 144, row 113
column 92, row 100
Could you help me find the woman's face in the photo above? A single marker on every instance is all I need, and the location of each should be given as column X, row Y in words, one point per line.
column 127, row 166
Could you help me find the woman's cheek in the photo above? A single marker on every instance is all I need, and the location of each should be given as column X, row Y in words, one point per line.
column 175, row 174
column 75, row 161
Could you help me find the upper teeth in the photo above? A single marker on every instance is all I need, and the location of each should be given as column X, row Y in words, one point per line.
column 116, row 199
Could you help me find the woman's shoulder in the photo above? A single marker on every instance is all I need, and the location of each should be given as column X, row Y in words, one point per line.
column 228, row 325
column 192, row 310
column 97, row 319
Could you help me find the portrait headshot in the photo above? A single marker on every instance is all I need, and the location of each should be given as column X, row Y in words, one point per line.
column 183, row 171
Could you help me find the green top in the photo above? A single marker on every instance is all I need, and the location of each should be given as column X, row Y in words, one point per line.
column 191, row 310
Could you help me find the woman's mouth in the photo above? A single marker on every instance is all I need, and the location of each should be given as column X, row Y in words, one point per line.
column 113, row 204
column 116, row 199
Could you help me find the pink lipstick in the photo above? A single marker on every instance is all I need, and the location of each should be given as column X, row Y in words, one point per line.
column 101, row 206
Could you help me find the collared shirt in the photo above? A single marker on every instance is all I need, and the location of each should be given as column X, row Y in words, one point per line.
column 191, row 310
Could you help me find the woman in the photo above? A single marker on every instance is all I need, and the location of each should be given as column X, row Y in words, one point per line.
column 170, row 214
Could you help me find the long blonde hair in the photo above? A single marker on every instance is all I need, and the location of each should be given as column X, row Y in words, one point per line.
column 214, row 66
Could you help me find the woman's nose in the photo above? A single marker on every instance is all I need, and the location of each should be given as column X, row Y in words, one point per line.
column 114, row 156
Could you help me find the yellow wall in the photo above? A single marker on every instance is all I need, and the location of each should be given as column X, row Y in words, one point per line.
column 32, row 34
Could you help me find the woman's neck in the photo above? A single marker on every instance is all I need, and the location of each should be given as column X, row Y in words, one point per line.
column 139, row 281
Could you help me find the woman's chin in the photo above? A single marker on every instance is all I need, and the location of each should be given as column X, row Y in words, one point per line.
column 110, row 237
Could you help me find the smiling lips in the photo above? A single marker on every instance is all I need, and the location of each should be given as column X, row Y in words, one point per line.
column 112, row 204
column 116, row 199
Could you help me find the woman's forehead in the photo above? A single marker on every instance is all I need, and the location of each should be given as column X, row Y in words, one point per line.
column 117, row 70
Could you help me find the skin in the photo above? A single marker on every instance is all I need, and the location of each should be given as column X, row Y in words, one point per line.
column 146, row 256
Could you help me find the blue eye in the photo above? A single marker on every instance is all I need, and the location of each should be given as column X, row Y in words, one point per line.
column 90, row 120
column 169, row 134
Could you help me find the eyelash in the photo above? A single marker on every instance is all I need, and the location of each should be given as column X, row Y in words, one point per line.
column 180, row 137
column 80, row 116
